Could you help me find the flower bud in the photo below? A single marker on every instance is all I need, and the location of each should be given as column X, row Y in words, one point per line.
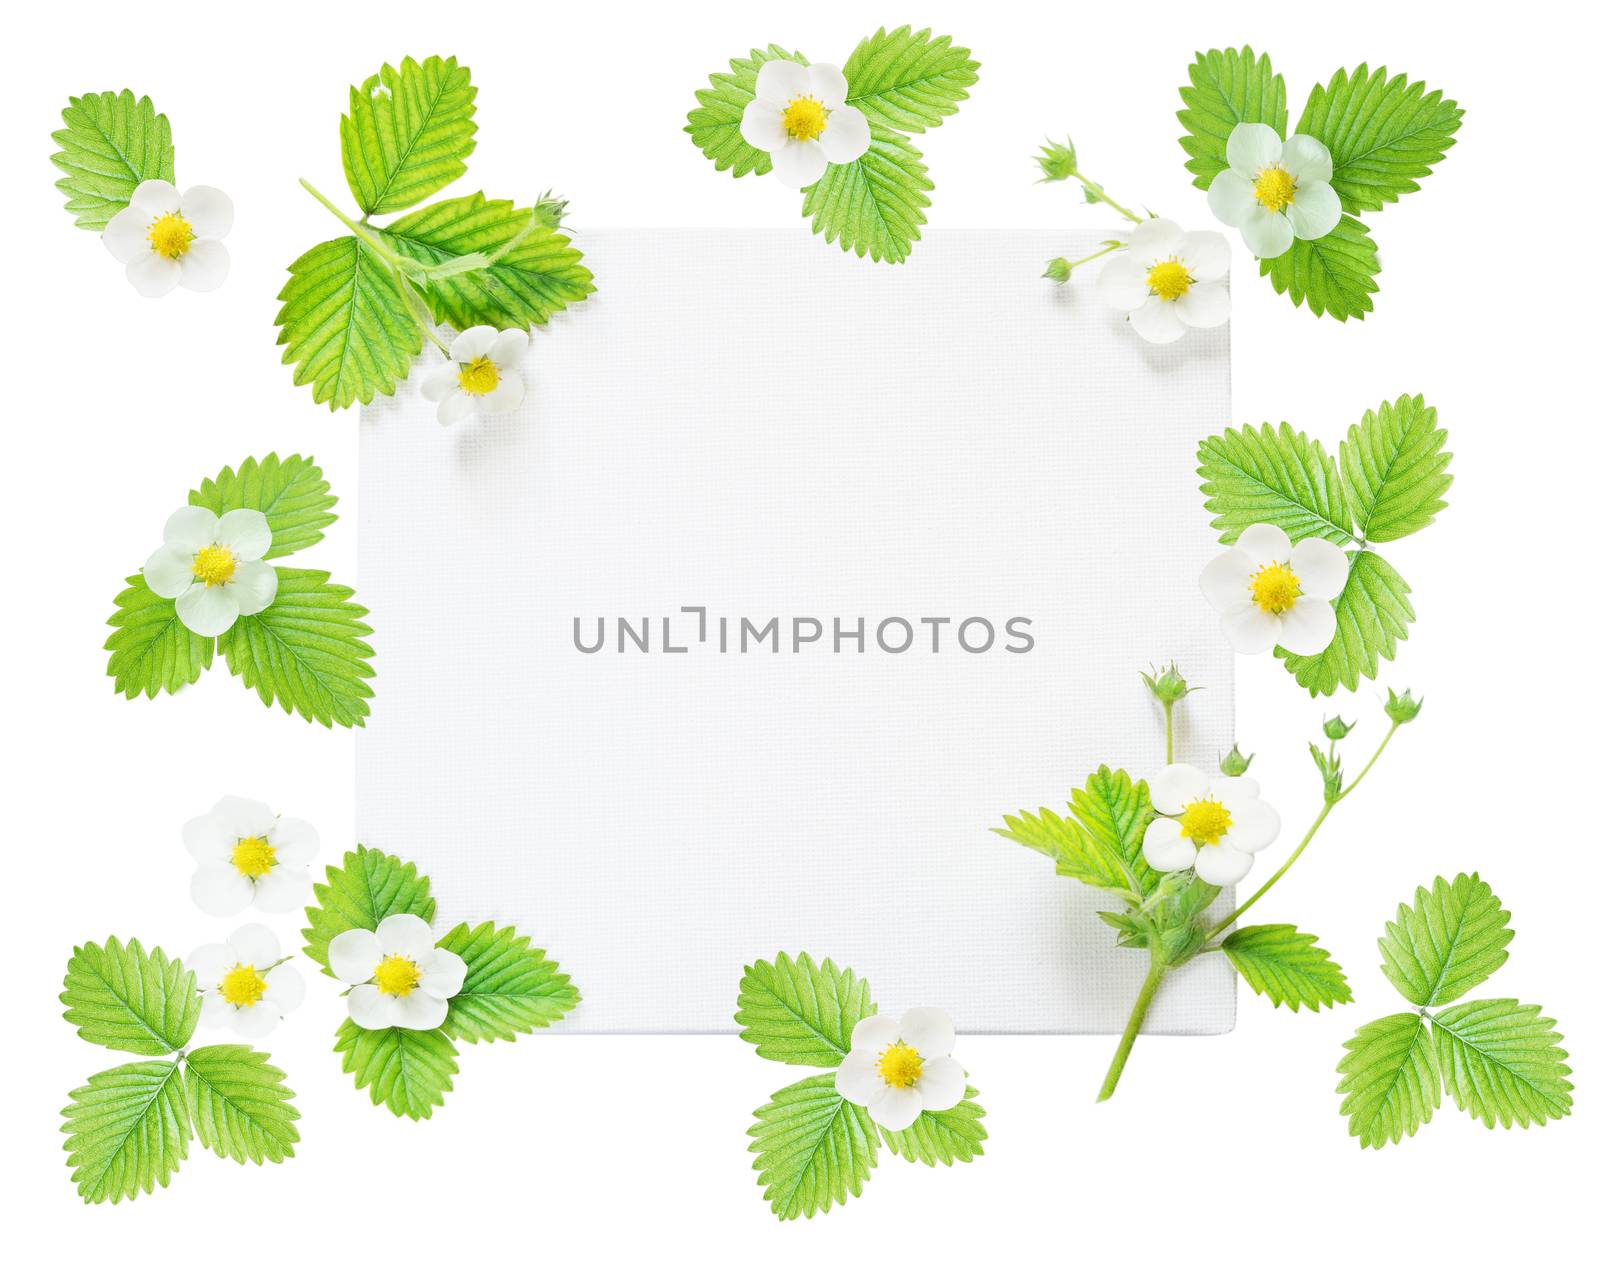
column 1058, row 162
column 1337, row 728
column 1166, row 687
column 1235, row 764
column 550, row 210
column 1058, row 270
column 1402, row 709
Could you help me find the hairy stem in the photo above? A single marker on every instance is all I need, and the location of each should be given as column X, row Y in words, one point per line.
column 1130, row 1034
column 1101, row 193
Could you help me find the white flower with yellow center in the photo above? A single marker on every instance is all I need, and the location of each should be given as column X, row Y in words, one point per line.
column 249, row 857
column 800, row 118
column 1274, row 594
column 399, row 978
column 1275, row 190
column 1168, row 280
column 212, row 567
column 1215, row 826
column 168, row 238
column 481, row 377
column 246, row 986
column 899, row 1069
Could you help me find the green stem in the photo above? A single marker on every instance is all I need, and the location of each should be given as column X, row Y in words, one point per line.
column 1141, row 1006
column 1167, row 705
column 1101, row 193
column 1089, row 258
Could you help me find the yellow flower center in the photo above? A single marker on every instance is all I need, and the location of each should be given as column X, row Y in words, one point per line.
column 1205, row 822
column 480, row 376
column 171, row 235
column 243, row 986
column 1274, row 189
column 806, row 118
column 254, row 856
column 214, row 565
column 1275, row 588
column 397, row 976
column 1169, row 280
column 900, row 1066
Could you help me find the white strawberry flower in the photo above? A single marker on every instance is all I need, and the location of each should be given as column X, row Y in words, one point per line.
column 1215, row 825
column 1168, row 280
column 246, row 984
column 899, row 1069
column 399, row 978
column 168, row 238
column 481, row 378
column 212, row 567
column 1272, row 593
column 248, row 856
column 799, row 116
column 1275, row 190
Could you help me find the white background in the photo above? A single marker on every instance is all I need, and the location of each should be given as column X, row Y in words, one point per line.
column 117, row 405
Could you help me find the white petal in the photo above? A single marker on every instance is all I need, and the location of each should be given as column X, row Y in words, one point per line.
column 826, row 84
column 1265, row 543
column 1308, row 628
column 1250, row 631
column 439, row 385
column 1203, row 306
column 189, row 529
column 371, row 1008
column 215, row 1011
column 778, row 82
column 286, row 986
column 1154, row 240
column 256, row 945
column 442, row 973
column 857, row 1078
column 354, row 955
column 296, row 842
column 245, row 533
column 943, row 1084
column 928, row 1029
column 457, row 407
column 127, row 236
column 1232, row 198
column 1221, row 864
column 1321, row 567
column 1206, row 255
column 1266, row 235
column 1233, row 791
column 761, row 126
column 1252, row 146
column 254, row 585
column 1225, row 581
column 1121, row 283
column 418, row 1010
column 1255, row 825
column 1307, row 159
column 257, row 1020
column 218, row 889
column 1314, row 212
column 1166, row 848
column 208, row 610
column 204, row 266
column 156, row 198
column 169, row 572
column 873, row 1034
column 1175, row 786
column 799, row 163
column 505, row 397
column 509, row 345
column 895, row 1109
column 474, row 343
column 283, row 889
column 847, row 135
column 407, row 936
column 245, row 817
column 1157, row 322
column 153, row 276
column 208, row 963
column 208, row 839
column 208, row 210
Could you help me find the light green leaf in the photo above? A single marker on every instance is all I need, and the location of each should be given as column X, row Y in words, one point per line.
column 942, row 1137
column 345, row 324
column 875, row 204
column 1394, row 463
column 307, row 650
column 151, row 650
column 110, row 145
column 813, row 1148
column 714, row 123
column 127, row 1130
column 1391, row 1078
column 408, row 133
column 407, row 1071
column 1278, row 476
column 909, row 81
column 800, row 1012
column 1501, row 1062
column 1102, row 844
column 1333, row 274
column 510, row 987
column 239, row 1104
column 122, row 998
column 366, row 890
column 1227, row 87
column 1286, row 965
column 1451, row 938
column 542, row 274
column 291, row 492
column 1384, row 134
column 1372, row 614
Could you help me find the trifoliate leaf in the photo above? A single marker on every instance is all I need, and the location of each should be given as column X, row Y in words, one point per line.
column 510, row 987
column 909, row 81
column 407, row 1071
column 800, row 1012
column 1227, row 87
column 942, row 1137
column 1102, row 844
column 127, row 1130
column 542, row 274
column 1278, row 476
column 814, row 1148
column 1383, row 134
column 1391, row 1076
column 1372, row 614
column 151, row 650
column 714, row 124
column 365, row 890
column 1333, row 274
column 345, row 325
column 1286, row 965
column 307, row 650
column 1394, row 463
column 291, row 492
column 1501, row 1062
column 239, row 1104
column 110, row 145
column 875, row 204
column 122, row 998
column 408, row 133
column 1451, row 938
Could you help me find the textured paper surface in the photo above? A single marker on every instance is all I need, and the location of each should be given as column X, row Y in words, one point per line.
column 755, row 423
